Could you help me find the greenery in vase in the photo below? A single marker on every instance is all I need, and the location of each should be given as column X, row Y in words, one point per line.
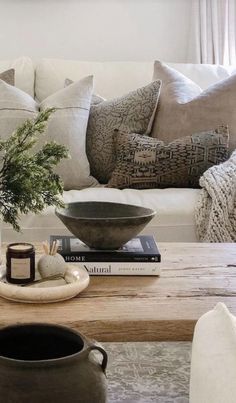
column 27, row 178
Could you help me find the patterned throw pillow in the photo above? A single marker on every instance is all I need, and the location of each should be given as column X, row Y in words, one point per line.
column 8, row 76
column 131, row 113
column 144, row 162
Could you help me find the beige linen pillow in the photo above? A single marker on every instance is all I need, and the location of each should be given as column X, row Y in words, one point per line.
column 15, row 108
column 133, row 112
column 144, row 162
column 68, row 126
column 184, row 108
column 8, row 76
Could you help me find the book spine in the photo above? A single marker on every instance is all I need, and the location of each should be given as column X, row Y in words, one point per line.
column 92, row 258
column 122, row 269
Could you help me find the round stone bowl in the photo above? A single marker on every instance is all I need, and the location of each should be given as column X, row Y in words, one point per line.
column 104, row 225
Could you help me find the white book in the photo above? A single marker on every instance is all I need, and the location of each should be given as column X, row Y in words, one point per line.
column 122, row 269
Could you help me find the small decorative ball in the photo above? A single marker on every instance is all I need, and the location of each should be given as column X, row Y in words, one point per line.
column 50, row 265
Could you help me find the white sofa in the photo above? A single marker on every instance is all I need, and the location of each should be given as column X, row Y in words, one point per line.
column 174, row 220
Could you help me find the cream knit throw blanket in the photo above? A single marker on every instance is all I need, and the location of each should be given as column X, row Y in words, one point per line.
column 216, row 207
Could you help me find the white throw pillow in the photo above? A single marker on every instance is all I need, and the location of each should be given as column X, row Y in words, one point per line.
column 15, row 108
column 66, row 126
column 213, row 365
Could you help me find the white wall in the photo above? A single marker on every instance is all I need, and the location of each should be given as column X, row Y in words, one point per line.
column 95, row 29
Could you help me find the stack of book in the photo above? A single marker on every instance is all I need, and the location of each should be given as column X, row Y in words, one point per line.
column 139, row 256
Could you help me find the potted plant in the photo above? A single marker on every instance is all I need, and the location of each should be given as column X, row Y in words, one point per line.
column 28, row 182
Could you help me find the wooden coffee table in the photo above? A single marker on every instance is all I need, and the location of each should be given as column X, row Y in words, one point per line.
column 194, row 278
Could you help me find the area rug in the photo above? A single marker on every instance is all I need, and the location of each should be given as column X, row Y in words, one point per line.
column 148, row 372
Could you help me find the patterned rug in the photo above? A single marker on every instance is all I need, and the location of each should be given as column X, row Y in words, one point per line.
column 148, row 372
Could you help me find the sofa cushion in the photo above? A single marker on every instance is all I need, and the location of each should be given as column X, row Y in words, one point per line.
column 68, row 126
column 112, row 79
column 24, row 73
column 213, row 364
column 133, row 112
column 184, row 108
column 143, row 162
column 8, row 76
column 174, row 220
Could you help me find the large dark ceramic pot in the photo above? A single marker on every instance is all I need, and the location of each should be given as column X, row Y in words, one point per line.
column 46, row 363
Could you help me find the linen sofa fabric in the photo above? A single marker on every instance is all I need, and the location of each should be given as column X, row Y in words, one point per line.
column 15, row 108
column 68, row 126
column 213, row 363
column 184, row 108
column 175, row 220
column 111, row 79
column 24, row 73
column 8, row 76
column 133, row 112
column 144, row 162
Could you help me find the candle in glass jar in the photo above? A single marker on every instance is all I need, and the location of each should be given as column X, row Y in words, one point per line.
column 20, row 263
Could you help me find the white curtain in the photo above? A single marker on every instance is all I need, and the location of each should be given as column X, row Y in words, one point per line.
column 213, row 32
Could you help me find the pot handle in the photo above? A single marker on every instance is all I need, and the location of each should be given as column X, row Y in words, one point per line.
column 102, row 351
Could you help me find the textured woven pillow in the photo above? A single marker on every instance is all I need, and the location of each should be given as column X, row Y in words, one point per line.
column 8, row 76
column 133, row 112
column 184, row 108
column 144, row 162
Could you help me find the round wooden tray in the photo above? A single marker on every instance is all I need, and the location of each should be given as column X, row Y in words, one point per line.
column 76, row 279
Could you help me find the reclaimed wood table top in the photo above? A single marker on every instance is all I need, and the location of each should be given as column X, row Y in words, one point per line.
column 194, row 278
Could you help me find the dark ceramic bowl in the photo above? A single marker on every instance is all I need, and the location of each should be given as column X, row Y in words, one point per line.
column 104, row 225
